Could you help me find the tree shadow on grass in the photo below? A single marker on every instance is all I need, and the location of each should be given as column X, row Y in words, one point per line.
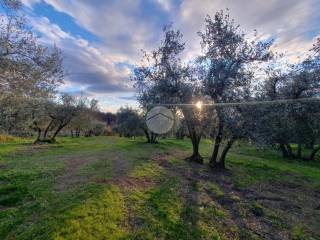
column 162, row 213
column 171, row 209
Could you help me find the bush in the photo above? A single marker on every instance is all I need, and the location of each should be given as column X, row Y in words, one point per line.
column 6, row 138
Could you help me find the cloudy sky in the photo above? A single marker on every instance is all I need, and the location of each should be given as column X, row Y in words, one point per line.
column 101, row 39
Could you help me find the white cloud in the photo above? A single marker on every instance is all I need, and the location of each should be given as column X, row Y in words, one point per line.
column 51, row 31
column 288, row 21
column 124, row 28
column 29, row 3
column 165, row 4
column 89, row 67
column 124, row 31
column 117, row 23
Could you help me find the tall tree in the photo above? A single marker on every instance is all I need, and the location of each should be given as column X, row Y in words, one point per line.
column 26, row 67
column 29, row 72
column 162, row 78
column 290, row 122
column 227, row 60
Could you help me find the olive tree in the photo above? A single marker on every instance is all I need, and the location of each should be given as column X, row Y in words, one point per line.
column 29, row 72
column 227, row 72
column 26, row 67
column 129, row 123
column 162, row 78
column 294, row 121
column 53, row 117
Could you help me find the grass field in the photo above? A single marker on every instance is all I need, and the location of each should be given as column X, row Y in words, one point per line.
column 116, row 188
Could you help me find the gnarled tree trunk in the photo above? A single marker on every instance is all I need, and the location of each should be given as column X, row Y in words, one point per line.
column 299, row 151
column 217, row 142
column 195, row 157
column 195, row 137
column 284, row 150
column 226, row 149
column 151, row 137
column 221, row 163
column 312, row 155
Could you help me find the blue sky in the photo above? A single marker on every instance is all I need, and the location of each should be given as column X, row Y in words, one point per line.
column 101, row 39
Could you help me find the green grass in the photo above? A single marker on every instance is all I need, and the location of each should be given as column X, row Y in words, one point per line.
column 215, row 189
column 117, row 188
column 104, row 215
column 271, row 167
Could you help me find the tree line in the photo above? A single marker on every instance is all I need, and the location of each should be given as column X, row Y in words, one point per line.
column 235, row 67
column 30, row 73
column 30, row 104
column 232, row 67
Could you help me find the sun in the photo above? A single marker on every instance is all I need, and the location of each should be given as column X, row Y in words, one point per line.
column 199, row 105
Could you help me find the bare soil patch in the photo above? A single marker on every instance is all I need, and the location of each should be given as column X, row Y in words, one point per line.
column 70, row 176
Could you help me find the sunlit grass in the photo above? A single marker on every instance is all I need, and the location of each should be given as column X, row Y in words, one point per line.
column 35, row 204
column 98, row 217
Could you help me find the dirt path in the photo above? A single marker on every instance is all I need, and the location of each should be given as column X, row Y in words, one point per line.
column 69, row 177
column 116, row 165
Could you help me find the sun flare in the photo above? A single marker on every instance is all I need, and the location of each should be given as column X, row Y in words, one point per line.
column 199, row 105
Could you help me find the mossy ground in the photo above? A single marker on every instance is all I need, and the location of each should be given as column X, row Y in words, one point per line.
column 117, row 188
